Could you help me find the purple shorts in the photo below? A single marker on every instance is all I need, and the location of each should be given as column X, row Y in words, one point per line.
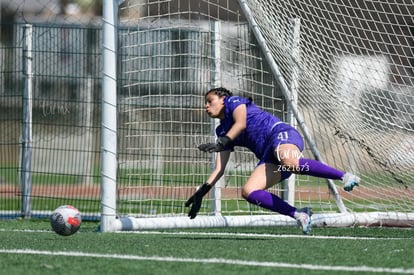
column 281, row 134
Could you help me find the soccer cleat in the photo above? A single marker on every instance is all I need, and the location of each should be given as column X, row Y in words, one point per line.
column 304, row 219
column 350, row 181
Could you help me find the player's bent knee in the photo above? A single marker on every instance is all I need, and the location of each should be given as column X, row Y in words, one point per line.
column 246, row 192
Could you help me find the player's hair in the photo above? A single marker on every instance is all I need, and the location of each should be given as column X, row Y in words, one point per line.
column 221, row 91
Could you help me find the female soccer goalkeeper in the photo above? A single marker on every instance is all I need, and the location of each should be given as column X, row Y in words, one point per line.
column 277, row 145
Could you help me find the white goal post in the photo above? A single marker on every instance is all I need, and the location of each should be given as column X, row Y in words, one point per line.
column 353, row 74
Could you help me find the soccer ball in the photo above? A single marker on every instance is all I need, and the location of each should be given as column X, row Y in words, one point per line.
column 66, row 220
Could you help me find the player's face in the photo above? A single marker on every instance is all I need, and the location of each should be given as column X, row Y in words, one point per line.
column 214, row 105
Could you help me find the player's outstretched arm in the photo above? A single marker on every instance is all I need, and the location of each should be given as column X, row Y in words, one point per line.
column 195, row 200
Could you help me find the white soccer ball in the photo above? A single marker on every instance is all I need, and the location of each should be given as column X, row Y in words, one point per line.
column 66, row 220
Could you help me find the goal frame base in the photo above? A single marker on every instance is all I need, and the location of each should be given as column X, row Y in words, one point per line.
column 367, row 219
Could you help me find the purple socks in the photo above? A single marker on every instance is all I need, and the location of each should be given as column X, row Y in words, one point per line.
column 309, row 167
column 270, row 201
column 318, row 169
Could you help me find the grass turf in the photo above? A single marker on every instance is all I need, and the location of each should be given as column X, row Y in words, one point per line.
column 265, row 250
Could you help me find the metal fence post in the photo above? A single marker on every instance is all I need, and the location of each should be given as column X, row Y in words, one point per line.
column 26, row 160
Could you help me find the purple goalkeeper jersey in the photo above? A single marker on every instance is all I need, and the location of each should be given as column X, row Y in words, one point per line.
column 263, row 133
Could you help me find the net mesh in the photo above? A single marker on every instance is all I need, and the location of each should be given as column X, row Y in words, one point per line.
column 171, row 55
column 355, row 90
column 352, row 70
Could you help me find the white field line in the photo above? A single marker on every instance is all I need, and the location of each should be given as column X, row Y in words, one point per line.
column 211, row 261
column 224, row 234
column 258, row 235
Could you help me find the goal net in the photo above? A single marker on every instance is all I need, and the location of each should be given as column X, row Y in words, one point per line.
column 344, row 71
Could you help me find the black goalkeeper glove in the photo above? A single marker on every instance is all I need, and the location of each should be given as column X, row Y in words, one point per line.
column 222, row 142
column 196, row 199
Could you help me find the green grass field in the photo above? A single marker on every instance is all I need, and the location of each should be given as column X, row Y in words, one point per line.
column 30, row 247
